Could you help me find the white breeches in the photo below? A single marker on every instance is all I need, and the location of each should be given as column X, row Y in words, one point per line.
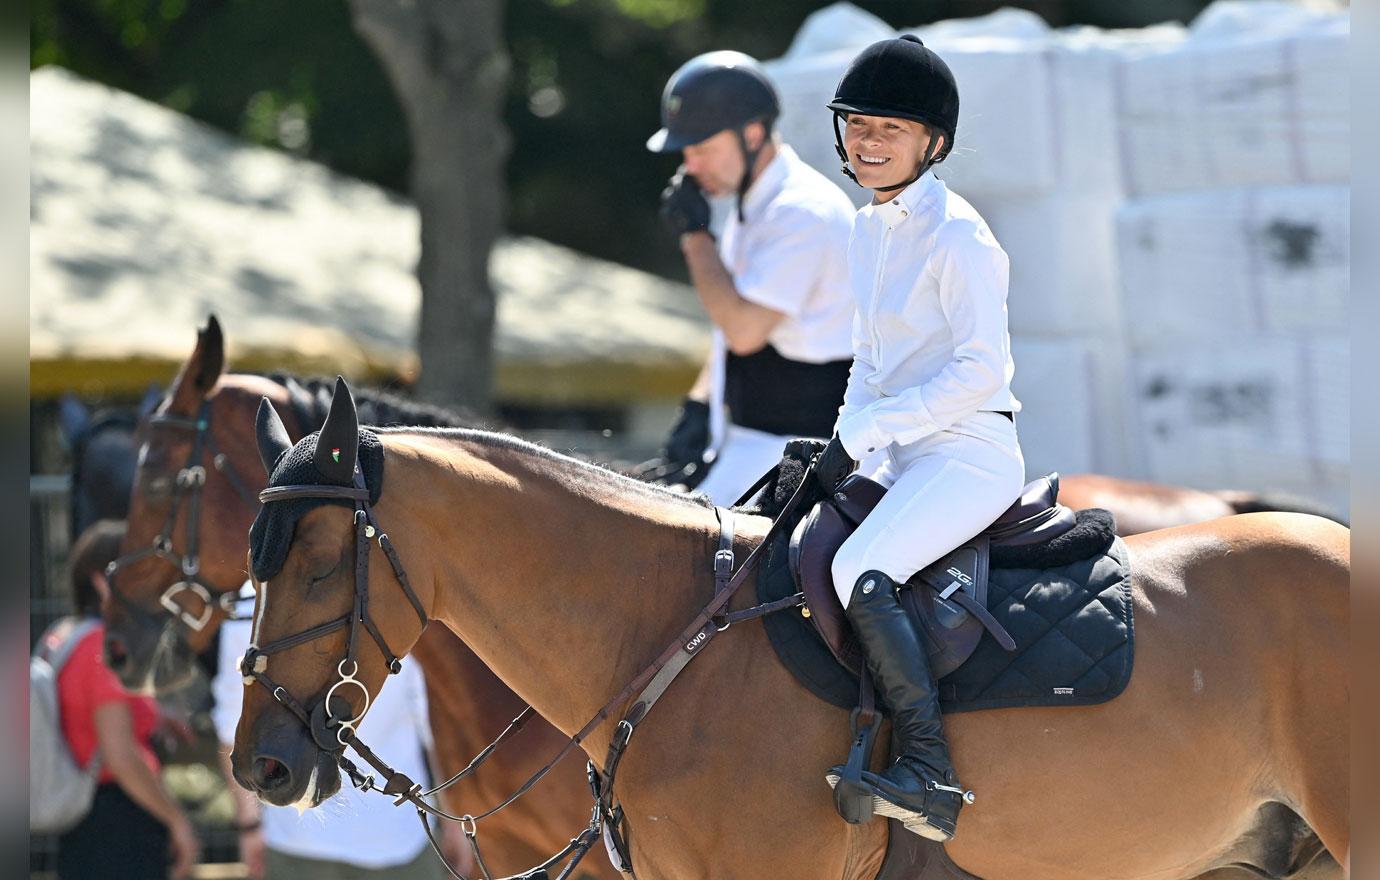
column 942, row 490
column 744, row 456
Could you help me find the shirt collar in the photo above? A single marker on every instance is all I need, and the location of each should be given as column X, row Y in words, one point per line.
column 911, row 200
column 770, row 181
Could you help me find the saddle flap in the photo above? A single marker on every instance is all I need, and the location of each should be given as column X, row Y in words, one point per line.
column 813, row 545
column 855, row 496
column 964, row 568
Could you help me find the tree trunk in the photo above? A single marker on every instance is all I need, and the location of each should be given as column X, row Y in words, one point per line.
column 449, row 66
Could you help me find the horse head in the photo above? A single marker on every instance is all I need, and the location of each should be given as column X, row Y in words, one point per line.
column 321, row 650
column 175, row 573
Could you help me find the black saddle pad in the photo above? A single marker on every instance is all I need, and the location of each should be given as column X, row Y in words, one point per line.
column 1072, row 625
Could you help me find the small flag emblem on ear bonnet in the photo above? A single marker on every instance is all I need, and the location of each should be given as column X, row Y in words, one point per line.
column 335, row 454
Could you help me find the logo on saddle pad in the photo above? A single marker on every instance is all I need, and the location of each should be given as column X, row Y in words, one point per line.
column 1063, row 692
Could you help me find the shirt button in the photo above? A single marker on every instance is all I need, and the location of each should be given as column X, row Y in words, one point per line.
column 905, row 213
column 896, row 202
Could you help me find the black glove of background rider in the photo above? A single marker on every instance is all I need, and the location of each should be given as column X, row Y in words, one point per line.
column 833, row 464
column 683, row 206
column 689, row 437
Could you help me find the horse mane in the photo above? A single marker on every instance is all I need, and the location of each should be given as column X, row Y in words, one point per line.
column 588, row 473
column 378, row 407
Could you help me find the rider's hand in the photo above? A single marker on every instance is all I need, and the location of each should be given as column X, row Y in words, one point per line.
column 689, row 436
column 833, row 464
column 683, row 207
column 184, row 848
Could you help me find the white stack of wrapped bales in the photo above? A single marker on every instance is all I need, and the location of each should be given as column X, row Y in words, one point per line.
column 1234, row 249
column 1155, row 189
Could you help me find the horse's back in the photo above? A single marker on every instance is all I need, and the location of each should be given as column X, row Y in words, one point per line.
column 1239, row 653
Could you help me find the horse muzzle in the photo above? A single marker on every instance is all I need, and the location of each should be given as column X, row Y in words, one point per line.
column 284, row 767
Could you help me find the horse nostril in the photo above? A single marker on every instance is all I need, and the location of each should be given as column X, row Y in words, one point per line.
column 116, row 654
column 270, row 774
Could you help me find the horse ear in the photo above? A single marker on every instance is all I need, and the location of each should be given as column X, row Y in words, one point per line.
column 199, row 374
column 273, row 437
column 338, row 444
column 213, row 355
column 74, row 418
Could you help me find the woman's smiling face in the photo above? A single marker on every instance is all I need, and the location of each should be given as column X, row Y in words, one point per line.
column 884, row 150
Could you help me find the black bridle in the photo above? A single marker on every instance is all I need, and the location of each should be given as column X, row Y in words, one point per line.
column 188, row 485
column 332, row 726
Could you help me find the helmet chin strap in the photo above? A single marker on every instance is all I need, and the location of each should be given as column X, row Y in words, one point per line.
column 847, row 168
column 749, row 161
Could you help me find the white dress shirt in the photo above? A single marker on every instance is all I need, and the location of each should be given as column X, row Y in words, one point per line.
column 790, row 254
column 359, row 828
column 930, row 339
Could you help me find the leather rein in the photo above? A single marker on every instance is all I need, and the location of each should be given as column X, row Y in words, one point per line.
column 332, row 723
column 187, row 486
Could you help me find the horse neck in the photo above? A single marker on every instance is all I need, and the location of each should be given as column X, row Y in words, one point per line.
column 565, row 581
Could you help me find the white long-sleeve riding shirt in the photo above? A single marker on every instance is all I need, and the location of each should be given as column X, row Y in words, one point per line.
column 930, row 338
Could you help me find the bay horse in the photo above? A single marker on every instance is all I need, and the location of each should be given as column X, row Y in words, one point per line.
column 151, row 647
column 567, row 580
column 1140, row 506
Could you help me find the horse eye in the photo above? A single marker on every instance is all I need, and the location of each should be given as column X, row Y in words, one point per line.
column 315, row 579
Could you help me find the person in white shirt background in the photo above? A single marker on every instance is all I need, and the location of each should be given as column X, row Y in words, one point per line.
column 775, row 284
column 358, row 835
column 928, row 408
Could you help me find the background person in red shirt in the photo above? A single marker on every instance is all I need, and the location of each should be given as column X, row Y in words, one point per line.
column 135, row 829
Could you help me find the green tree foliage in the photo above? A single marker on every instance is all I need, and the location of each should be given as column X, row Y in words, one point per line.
column 587, row 77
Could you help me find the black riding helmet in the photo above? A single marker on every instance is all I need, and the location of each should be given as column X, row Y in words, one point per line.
column 900, row 78
column 713, row 92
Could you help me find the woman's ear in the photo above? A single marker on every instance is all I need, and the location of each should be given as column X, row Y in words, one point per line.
column 755, row 134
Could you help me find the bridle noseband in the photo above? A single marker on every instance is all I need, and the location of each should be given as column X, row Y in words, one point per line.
column 188, row 485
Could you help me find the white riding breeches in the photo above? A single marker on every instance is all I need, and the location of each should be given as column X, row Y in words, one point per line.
column 745, row 455
column 942, row 490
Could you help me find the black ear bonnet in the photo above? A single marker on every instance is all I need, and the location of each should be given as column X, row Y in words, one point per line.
column 271, row 535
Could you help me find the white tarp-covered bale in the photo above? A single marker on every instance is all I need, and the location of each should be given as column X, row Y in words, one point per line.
column 144, row 221
column 1272, row 412
column 1235, row 263
column 1257, row 95
column 1057, row 385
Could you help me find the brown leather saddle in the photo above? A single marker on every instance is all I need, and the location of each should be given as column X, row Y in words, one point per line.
column 951, row 609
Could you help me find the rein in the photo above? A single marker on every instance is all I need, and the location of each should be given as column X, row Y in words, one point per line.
column 333, row 732
column 188, row 485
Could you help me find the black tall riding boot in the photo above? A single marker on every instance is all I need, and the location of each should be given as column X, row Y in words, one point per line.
column 920, row 788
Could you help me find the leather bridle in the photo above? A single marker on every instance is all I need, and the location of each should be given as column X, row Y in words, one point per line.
column 187, row 486
column 330, row 730
column 333, row 727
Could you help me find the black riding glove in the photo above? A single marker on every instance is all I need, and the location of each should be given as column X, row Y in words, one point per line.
column 683, row 207
column 689, row 436
column 833, row 464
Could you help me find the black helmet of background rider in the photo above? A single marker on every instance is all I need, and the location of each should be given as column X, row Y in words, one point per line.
column 714, row 92
column 900, row 78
